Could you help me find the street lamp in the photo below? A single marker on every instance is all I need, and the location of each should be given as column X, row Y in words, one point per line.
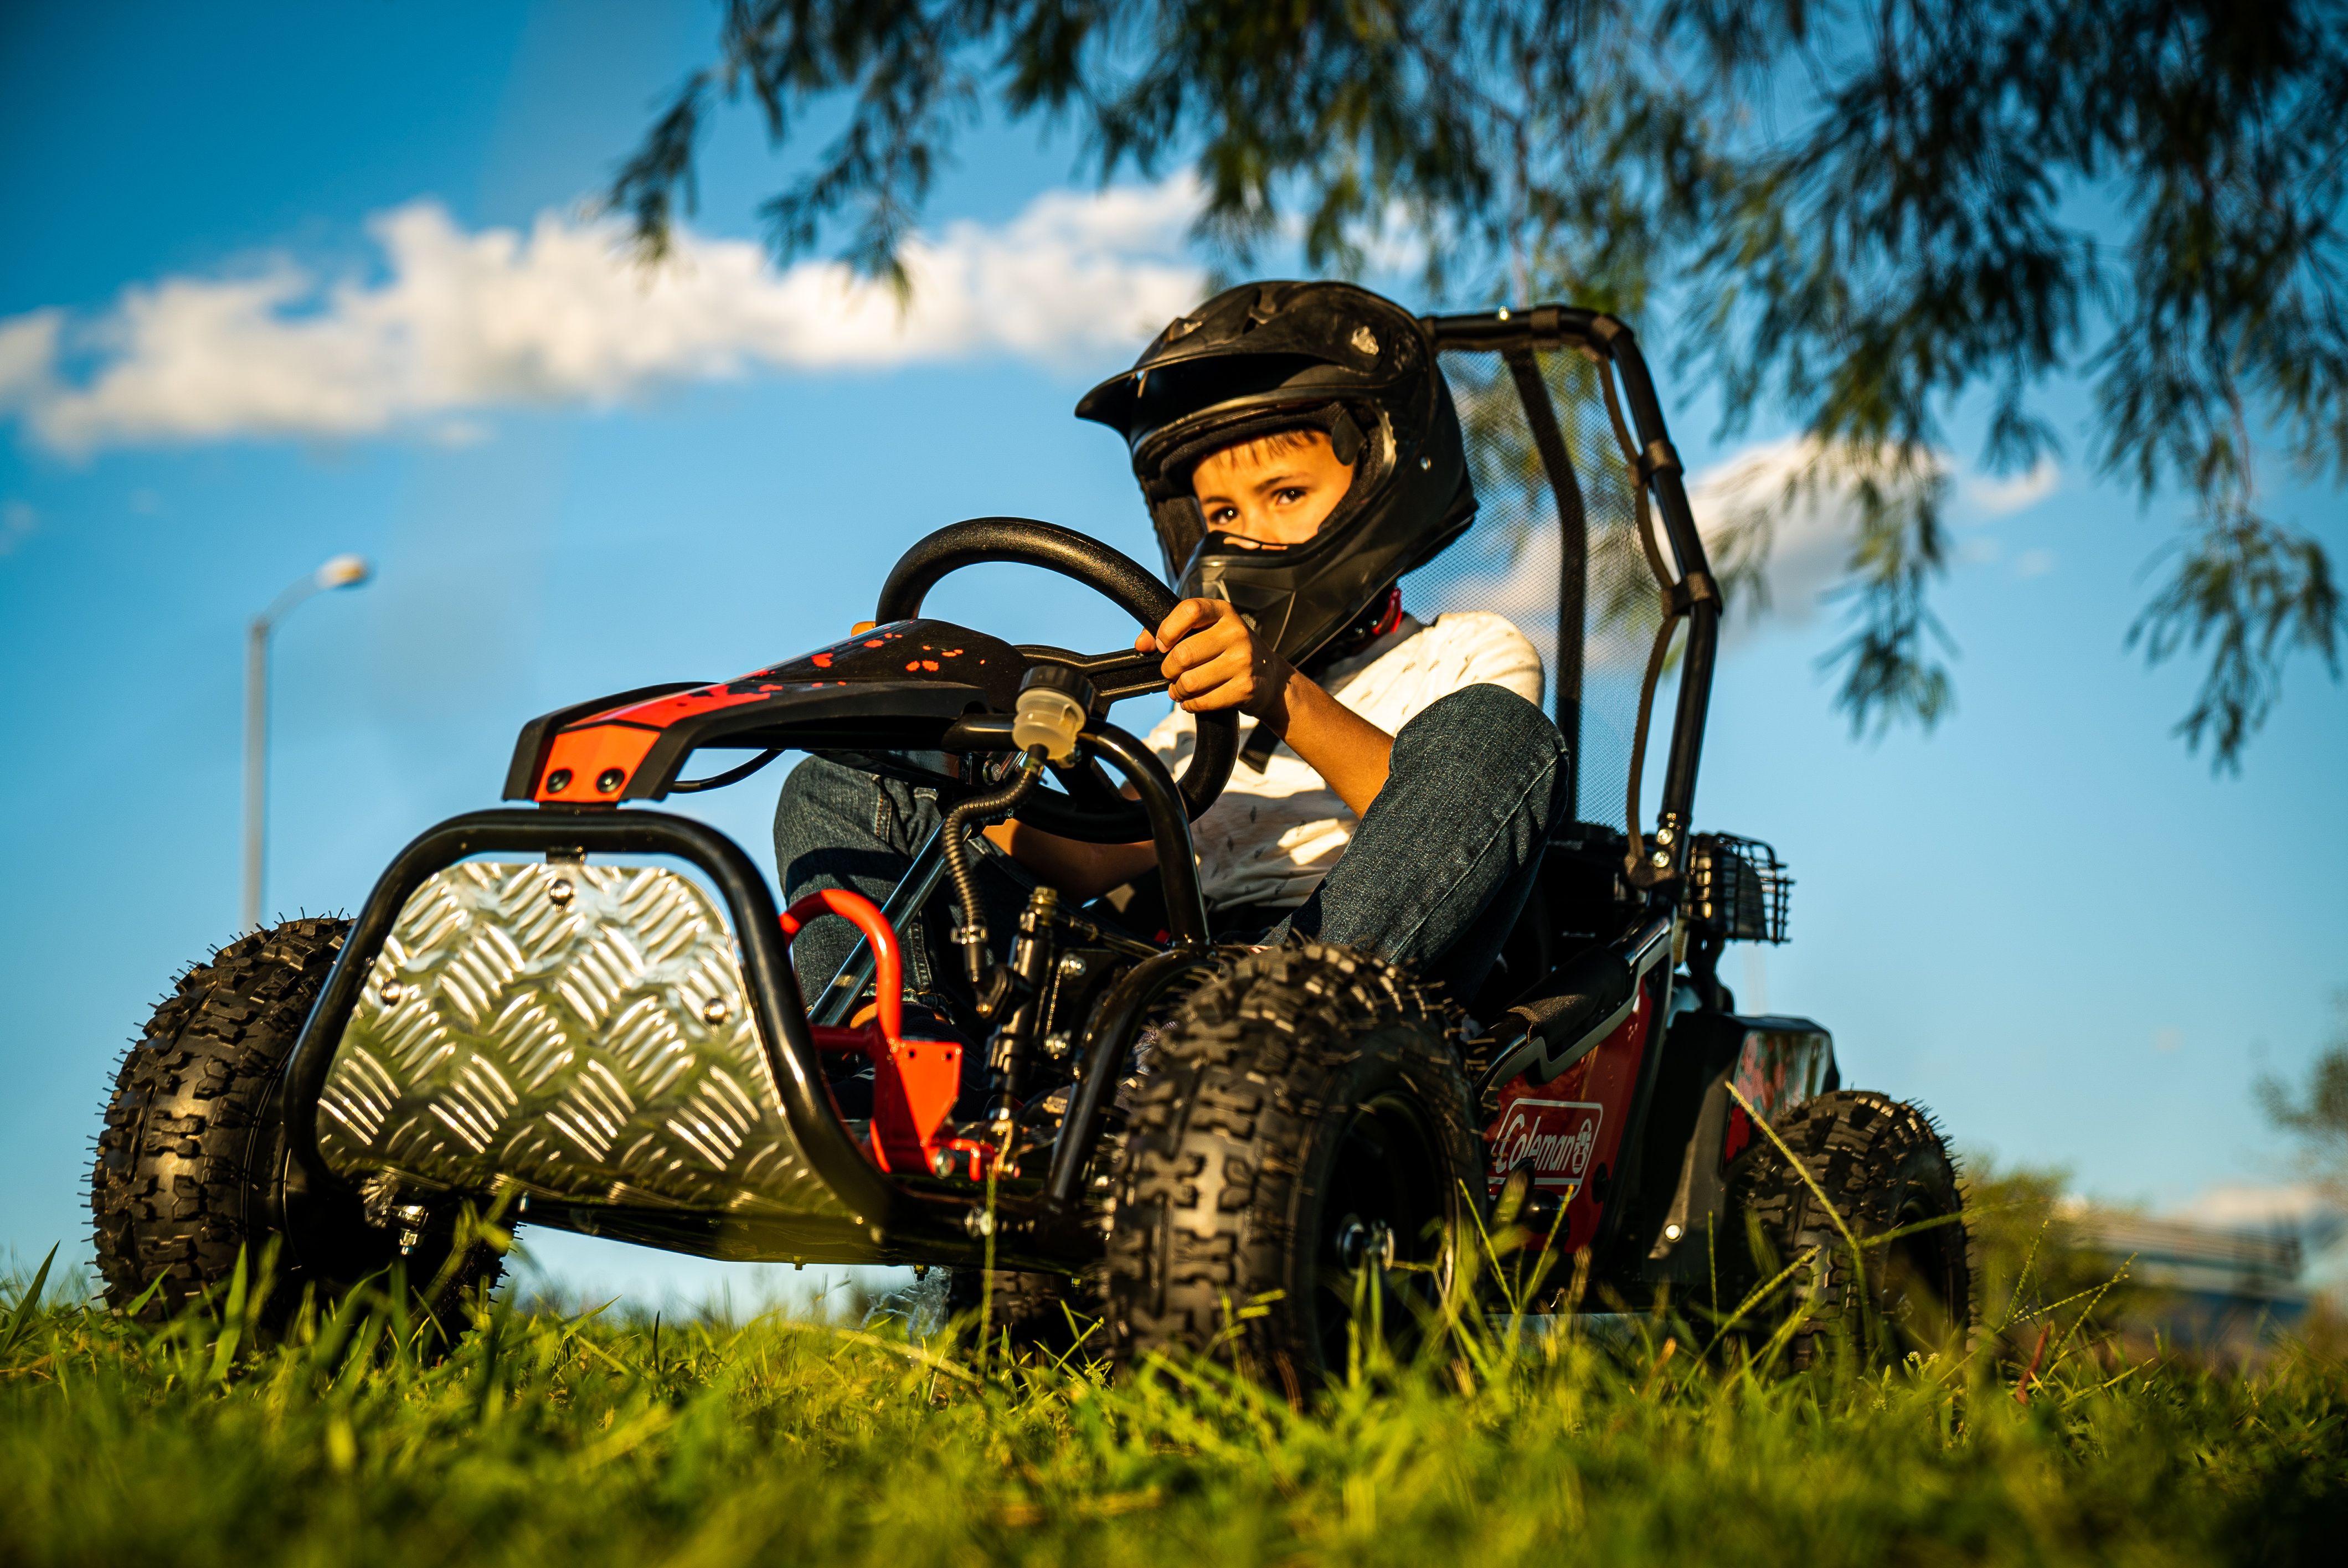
column 343, row 571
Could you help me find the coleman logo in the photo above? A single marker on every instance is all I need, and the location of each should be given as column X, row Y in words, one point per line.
column 1552, row 1138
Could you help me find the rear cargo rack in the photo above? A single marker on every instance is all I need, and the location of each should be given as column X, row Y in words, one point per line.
column 1738, row 888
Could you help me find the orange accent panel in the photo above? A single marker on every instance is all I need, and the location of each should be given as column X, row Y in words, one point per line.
column 663, row 712
column 914, row 1082
column 588, row 752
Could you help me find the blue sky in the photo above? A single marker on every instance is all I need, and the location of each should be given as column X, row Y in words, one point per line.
column 267, row 238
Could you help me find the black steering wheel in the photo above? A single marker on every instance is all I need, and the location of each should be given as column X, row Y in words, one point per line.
column 1091, row 811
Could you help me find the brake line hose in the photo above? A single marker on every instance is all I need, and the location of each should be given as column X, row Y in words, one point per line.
column 977, row 961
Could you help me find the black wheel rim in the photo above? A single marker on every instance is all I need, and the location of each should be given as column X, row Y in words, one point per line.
column 1382, row 1254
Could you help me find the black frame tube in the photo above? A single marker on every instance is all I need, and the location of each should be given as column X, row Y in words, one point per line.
column 1170, row 830
column 838, row 1002
column 1573, row 557
column 773, row 989
column 1695, row 577
column 1106, row 1042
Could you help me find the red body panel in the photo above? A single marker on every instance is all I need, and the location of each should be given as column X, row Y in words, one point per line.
column 1567, row 1131
column 1777, row 1070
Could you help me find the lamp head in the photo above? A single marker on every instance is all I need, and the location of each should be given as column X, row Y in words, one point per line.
column 345, row 572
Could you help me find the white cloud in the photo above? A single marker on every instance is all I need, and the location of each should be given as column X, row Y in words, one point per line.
column 467, row 321
column 28, row 346
column 1995, row 498
column 1787, row 511
column 17, row 521
column 1805, row 488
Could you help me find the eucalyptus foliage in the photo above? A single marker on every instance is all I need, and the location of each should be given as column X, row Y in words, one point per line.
column 1858, row 215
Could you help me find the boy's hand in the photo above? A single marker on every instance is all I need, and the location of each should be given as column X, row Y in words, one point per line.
column 1214, row 662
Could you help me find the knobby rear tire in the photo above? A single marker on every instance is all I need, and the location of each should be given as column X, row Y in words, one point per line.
column 1302, row 1119
column 1885, row 1168
column 191, row 1162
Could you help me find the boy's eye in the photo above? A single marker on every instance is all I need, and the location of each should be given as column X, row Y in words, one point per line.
column 1289, row 495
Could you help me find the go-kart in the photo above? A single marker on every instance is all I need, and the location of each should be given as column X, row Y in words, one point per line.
column 580, row 1011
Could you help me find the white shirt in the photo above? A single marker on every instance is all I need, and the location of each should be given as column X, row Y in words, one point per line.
column 1273, row 835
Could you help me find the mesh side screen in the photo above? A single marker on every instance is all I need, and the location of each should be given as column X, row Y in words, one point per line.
column 1509, row 561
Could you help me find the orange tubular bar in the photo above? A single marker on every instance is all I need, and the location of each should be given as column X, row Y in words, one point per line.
column 887, row 963
column 915, row 1082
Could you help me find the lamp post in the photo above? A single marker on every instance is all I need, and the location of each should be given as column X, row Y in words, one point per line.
column 343, row 571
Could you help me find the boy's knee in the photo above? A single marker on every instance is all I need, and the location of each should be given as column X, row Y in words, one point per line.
column 1488, row 722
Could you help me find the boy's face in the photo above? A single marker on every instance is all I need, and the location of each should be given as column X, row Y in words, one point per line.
column 1275, row 491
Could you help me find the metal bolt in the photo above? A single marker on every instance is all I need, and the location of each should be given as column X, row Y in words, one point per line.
column 609, row 780
column 1672, row 1232
column 411, row 1227
column 714, row 1011
column 941, row 1163
column 1056, row 1046
column 393, row 993
column 558, row 892
column 1426, row 463
column 1071, row 966
column 1664, row 834
column 558, row 780
column 979, row 1222
column 1661, row 857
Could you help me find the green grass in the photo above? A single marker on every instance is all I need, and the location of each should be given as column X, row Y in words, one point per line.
column 546, row 1437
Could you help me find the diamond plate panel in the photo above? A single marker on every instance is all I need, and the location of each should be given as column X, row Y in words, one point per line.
column 551, row 1025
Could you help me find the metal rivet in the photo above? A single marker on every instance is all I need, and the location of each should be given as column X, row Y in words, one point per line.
column 1672, row 1233
column 558, row 780
column 393, row 993
column 1072, row 966
column 1425, row 464
column 1661, row 857
column 558, row 892
column 714, row 1011
column 941, row 1163
column 609, row 780
column 1664, row 834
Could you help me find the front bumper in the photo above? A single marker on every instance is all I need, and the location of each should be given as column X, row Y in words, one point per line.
column 603, row 1040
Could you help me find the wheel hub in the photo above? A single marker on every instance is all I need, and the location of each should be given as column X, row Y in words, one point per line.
column 1357, row 1242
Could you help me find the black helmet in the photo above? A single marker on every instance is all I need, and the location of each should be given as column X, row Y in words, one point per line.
column 1268, row 357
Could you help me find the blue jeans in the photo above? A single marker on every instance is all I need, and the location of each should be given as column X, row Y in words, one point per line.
column 1435, row 875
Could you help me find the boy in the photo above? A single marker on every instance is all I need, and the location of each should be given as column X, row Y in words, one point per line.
column 1396, row 784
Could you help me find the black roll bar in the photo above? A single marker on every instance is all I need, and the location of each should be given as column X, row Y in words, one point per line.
column 1515, row 335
